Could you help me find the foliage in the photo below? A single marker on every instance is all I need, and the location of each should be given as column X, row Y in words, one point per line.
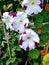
column 18, row 55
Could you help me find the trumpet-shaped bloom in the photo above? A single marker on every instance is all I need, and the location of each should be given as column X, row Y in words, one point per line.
column 20, row 22
column 8, row 20
column 29, row 40
column 32, row 6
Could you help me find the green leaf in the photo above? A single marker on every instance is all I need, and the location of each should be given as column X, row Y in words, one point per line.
column 5, row 55
column 13, row 49
column 19, row 59
column 37, row 16
column 30, row 63
column 34, row 54
column 42, row 43
column 36, row 63
column 46, row 18
column 13, row 54
column 38, row 22
column 44, row 37
column 1, row 63
column 15, row 63
column 45, row 28
column 18, row 48
column 10, row 60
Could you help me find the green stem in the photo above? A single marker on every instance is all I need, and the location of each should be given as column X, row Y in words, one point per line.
column 6, row 36
column 26, row 62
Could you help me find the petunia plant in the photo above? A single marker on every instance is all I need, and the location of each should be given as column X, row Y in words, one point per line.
column 24, row 32
column 32, row 6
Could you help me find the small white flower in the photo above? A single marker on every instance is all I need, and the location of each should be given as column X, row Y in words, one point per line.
column 29, row 40
column 20, row 22
column 8, row 20
column 32, row 6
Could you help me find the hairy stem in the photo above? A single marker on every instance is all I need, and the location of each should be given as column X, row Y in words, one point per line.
column 47, row 46
column 6, row 36
column 26, row 62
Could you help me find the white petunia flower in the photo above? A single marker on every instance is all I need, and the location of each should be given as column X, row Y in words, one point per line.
column 8, row 20
column 32, row 6
column 29, row 40
column 20, row 22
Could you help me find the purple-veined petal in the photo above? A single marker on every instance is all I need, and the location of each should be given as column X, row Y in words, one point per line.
column 27, row 48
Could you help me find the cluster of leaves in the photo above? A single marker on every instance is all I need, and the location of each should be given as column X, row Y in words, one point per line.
column 42, row 22
column 18, row 55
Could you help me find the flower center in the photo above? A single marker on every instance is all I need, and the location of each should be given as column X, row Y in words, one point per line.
column 32, row 2
column 7, row 19
column 20, row 20
column 28, row 37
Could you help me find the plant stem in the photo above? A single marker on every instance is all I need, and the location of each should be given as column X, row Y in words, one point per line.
column 46, row 46
column 26, row 62
column 6, row 36
column 31, row 25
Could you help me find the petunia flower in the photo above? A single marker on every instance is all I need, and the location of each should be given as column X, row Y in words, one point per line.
column 28, row 40
column 8, row 20
column 12, row 14
column 32, row 6
column 20, row 22
column 41, row 4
